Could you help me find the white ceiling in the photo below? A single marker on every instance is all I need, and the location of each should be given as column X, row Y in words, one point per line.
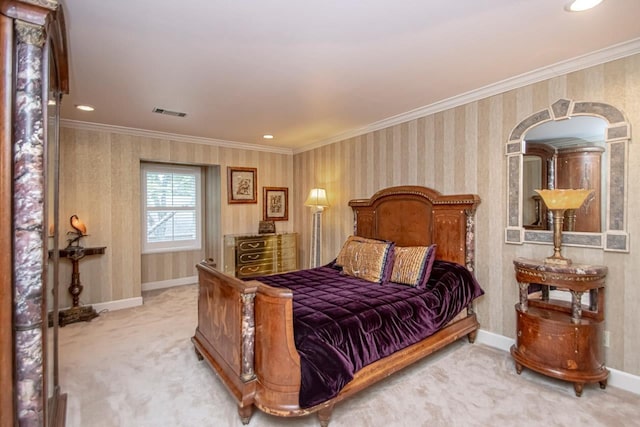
column 310, row 70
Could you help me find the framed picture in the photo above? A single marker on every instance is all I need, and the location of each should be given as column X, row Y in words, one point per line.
column 266, row 227
column 275, row 204
column 242, row 185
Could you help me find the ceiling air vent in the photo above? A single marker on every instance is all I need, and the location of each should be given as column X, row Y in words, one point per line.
column 168, row 112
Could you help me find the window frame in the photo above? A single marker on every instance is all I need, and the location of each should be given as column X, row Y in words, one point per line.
column 175, row 245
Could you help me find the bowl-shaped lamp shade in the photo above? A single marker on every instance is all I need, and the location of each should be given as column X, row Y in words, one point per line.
column 564, row 199
column 317, row 198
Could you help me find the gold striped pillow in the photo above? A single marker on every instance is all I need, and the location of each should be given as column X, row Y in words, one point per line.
column 412, row 265
column 365, row 258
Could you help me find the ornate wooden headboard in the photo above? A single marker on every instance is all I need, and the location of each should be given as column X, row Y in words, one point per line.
column 417, row 216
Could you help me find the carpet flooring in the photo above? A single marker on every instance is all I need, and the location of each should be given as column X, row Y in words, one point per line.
column 137, row 368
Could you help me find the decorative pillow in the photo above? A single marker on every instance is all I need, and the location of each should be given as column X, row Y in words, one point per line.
column 412, row 265
column 368, row 259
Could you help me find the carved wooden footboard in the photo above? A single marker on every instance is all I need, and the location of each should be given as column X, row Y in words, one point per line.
column 278, row 363
column 225, row 335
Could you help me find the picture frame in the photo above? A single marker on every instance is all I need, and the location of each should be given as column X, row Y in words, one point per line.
column 266, row 227
column 242, row 185
column 275, row 204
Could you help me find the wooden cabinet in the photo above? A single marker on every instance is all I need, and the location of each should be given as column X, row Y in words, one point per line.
column 260, row 254
column 580, row 168
column 577, row 166
column 562, row 339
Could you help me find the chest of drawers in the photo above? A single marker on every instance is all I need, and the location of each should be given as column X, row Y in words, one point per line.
column 260, row 254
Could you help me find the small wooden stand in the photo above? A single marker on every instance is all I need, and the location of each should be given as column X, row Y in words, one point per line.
column 77, row 313
column 558, row 338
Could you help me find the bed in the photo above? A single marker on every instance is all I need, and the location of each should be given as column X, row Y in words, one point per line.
column 248, row 334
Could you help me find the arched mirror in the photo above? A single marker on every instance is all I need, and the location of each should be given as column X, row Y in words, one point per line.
column 569, row 145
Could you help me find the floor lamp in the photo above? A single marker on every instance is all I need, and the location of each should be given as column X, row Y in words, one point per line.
column 317, row 200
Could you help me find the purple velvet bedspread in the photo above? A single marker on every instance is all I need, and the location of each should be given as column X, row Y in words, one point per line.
column 342, row 323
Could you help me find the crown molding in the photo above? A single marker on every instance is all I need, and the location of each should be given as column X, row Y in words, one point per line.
column 598, row 57
column 611, row 53
column 100, row 127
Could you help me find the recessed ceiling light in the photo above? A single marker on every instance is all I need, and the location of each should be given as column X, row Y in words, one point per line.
column 85, row 107
column 580, row 5
column 267, row 136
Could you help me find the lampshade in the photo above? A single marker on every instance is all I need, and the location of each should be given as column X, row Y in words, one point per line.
column 564, row 198
column 317, row 198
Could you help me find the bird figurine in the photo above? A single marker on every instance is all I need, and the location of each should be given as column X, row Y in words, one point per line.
column 78, row 225
column 80, row 230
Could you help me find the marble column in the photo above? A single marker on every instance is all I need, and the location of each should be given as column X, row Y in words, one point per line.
column 28, row 218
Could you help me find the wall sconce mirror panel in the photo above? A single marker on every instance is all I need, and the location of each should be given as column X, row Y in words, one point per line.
column 569, row 145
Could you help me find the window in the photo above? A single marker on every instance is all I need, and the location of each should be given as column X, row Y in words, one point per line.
column 171, row 200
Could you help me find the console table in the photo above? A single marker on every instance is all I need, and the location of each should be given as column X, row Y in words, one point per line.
column 558, row 338
column 77, row 313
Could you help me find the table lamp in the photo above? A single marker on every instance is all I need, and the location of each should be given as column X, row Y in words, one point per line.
column 558, row 201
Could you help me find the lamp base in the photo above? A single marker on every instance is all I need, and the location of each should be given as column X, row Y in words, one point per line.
column 557, row 260
column 316, row 238
column 83, row 313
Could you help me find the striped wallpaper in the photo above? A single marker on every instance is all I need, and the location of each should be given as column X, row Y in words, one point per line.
column 100, row 182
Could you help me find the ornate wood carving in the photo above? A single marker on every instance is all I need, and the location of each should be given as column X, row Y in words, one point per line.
column 414, row 215
column 555, row 338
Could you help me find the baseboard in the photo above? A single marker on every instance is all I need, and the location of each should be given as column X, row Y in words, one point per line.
column 619, row 379
column 134, row 302
column 162, row 284
column 112, row 305
column 494, row 340
column 117, row 304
